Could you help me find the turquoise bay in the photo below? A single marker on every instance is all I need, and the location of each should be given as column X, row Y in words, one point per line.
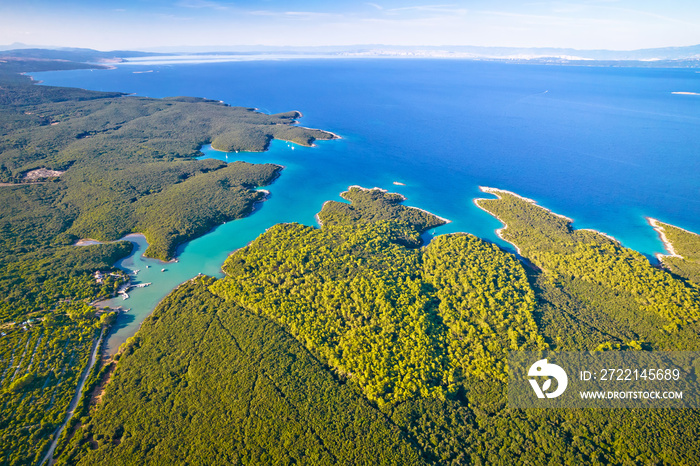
column 604, row 146
column 207, row 254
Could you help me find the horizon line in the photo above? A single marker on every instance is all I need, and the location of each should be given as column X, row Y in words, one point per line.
column 214, row 48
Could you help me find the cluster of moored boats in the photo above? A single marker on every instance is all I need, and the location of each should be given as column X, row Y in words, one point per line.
column 124, row 289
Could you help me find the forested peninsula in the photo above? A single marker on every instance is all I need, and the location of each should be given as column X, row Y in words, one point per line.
column 351, row 343
column 315, row 332
column 82, row 164
column 683, row 258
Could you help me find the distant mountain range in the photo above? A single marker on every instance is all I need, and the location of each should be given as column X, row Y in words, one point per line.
column 667, row 56
column 668, row 53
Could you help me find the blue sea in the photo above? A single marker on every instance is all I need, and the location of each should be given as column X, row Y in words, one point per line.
column 604, row 146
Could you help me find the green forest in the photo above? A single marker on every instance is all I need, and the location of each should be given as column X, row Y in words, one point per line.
column 352, row 343
column 412, row 338
column 626, row 293
column 685, row 263
column 220, row 385
column 82, row 164
column 369, row 305
column 125, row 157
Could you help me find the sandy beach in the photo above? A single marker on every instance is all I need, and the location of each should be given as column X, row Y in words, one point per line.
column 496, row 191
column 499, row 231
column 662, row 234
column 87, row 242
column 92, row 242
column 318, row 220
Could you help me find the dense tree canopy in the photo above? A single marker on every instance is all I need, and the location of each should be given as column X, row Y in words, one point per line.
column 420, row 334
column 685, row 262
column 397, row 320
column 346, row 344
column 206, row 382
column 83, row 164
column 593, row 259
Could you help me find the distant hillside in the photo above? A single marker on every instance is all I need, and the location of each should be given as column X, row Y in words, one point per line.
column 71, row 54
column 688, row 56
column 667, row 53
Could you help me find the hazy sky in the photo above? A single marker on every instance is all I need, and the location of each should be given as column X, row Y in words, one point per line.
column 139, row 24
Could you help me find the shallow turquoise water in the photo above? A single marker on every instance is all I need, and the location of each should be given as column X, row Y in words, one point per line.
column 604, row 146
column 207, row 254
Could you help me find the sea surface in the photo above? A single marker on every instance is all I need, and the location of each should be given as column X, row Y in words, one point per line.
column 604, row 146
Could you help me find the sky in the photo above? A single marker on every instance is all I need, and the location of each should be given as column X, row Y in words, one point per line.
column 145, row 24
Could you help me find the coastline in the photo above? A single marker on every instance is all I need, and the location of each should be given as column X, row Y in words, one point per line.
column 403, row 198
column 235, row 151
column 495, row 191
column 499, row 231
column 361, row 188
column 656, row 225
column 129, row 322
column 301, row 115
column 89, row 242
column 382, row 190
column 267, row 147
column 318, row 220
column 82, row 242
column 335, row 136
column 117, row 338
column 610, row 237
column 446, row 220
